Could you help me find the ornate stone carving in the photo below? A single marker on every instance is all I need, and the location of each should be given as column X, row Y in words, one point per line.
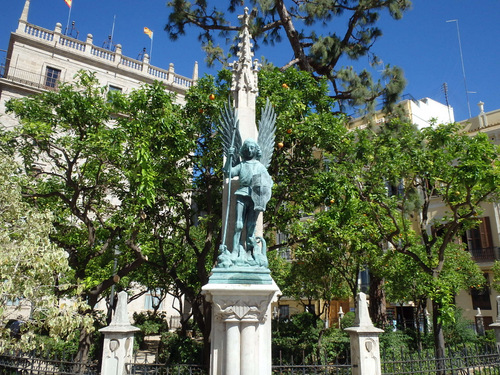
column 237, row 309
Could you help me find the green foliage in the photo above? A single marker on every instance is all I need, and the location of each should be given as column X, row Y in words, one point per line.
column 150, row 324
column 348, row 320
column 395, row 341
column 496, row 275
column 303, row 338
column 322, row 52
column 33, row 271
column 296, row 337
column 175, row 349
column 398, row 173
column 103, row 164
column 460, row 330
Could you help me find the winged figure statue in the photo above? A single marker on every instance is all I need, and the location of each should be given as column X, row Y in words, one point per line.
column 248, row 161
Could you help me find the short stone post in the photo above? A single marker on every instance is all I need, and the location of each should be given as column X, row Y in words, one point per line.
column 496, row 325
column 365, row 349
column 118, row 340
column 479, row 323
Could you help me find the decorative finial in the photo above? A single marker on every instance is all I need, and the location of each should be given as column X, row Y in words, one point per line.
column 244, row 71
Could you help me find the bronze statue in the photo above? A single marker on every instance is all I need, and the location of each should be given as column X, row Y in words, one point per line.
column 249, row 162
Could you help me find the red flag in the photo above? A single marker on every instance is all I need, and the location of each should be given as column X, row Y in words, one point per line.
column 68, row 2
column 146, row 31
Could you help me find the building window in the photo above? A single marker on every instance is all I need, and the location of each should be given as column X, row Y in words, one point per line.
column 52, row 76
column 112, row 88
column 481, row 296
column 479, row 241
column 153, row 300
column 284, row 311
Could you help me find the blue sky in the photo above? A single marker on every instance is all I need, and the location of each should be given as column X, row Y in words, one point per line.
column 422, row 43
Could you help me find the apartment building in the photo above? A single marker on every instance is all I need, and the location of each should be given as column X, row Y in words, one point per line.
column 39, row 59
column 483, row 242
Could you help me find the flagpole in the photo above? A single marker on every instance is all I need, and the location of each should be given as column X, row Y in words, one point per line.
column 67, row 23
column 151, row 48
column 112, row 31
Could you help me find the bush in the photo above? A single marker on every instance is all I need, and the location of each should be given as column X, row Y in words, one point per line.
column 303, row 339
column 460, row 331
column 175, row 349
column 150, row 324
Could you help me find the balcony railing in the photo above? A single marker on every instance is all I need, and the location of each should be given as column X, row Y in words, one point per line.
column 487, row 254
column 86, row 48
column 28, row 78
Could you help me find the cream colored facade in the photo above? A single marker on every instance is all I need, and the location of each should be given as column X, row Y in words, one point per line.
column 483, row 242
column 38, row 59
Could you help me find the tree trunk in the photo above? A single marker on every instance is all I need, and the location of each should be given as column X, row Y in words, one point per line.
column 439, row 348
column 207, row 314
column 377, row 301
column 82, row 358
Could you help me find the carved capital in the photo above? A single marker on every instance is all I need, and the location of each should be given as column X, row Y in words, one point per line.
column 240, row 309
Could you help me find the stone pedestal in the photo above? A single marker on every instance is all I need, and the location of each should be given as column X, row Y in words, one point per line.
column 241, row 328
column 365, row 349
column 496, row 325
column 118, row 340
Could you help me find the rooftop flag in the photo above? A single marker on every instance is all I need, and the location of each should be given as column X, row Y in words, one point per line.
column 146, row 29
column 68, row 2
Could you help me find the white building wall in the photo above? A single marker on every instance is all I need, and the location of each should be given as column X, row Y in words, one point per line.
column 425, row 110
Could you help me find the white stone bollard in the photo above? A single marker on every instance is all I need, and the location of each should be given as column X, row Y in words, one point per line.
column 496, row 325
column 118, row 340
column 365, row 349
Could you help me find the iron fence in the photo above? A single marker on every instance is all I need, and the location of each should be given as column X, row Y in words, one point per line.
column 163, row 369
column 17, row 362
column 465, row 360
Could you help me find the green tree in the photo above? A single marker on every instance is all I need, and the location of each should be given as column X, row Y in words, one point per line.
column 400, row 172
column 98, row 162
column 323, row 37
column 33, row 272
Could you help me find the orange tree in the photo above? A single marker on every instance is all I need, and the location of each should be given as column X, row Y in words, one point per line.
column 398, row 171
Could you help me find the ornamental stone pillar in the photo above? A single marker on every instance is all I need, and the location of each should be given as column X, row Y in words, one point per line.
column 118, row 340
column 496, row 325
column 241, row 328
column 365, row 348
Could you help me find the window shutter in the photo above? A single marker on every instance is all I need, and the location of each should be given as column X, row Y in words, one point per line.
column 485, row 233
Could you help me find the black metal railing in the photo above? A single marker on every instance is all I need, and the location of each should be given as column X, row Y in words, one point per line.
column 31, row 79
column 466, row 360
column 486, row 254
column 44, row 364
column 483, row 360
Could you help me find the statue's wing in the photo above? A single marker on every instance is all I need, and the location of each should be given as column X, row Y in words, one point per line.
column 230, row 132
column 267, row 128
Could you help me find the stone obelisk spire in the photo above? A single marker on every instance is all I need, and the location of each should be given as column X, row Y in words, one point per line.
column 244, row 84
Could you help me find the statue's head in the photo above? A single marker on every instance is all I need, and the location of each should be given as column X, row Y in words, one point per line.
column 250, row 150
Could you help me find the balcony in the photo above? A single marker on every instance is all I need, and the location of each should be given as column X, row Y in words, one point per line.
column 38, row 81
column 484, row 255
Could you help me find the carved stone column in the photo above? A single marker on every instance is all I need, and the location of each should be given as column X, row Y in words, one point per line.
column 241, row 328
column 365, row 349
column 118, row 340
column 496, row 325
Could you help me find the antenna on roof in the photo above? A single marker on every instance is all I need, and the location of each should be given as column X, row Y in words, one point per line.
column 445, row 90
column 463, row 67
